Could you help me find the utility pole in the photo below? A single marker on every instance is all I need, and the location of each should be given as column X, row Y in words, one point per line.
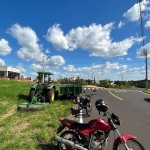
column 146, row 68
column 145, row 51
column 43, row 67
column 122, row 78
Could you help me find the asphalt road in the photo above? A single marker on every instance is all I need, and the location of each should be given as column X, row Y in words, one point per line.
column 133, row 109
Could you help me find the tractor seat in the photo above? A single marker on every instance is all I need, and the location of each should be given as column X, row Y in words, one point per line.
column 41, row 87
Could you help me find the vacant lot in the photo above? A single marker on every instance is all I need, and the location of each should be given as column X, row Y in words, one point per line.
column 27, row 130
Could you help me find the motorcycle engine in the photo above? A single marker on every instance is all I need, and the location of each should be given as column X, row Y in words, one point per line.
column 97, row 140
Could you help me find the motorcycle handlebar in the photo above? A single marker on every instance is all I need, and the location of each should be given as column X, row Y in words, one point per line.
column 112, row 118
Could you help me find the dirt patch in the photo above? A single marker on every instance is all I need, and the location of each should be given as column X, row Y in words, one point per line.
column 1, row 128
column 93, row 86
column 19, row 128
column 4, row 102
column 9, row 113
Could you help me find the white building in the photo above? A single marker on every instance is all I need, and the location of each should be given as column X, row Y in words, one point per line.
column 9, row 72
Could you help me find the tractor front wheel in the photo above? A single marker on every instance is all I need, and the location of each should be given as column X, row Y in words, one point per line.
column 50, row 95
column 31, row 94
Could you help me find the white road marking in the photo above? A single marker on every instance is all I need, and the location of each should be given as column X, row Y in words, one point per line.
column 120, row 91
column 80, row 117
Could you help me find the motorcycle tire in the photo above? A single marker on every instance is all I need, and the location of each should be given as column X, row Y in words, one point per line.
column 131, row 143
column 88, row 109
column 68, row 135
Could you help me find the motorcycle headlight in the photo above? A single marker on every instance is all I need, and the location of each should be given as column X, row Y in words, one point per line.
column 115, row 119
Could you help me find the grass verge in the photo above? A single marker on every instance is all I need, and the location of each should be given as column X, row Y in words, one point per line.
column 27, row 130
column 147, row 91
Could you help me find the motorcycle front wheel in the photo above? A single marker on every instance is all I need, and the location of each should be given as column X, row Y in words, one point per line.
column 68, row 135
column 88, row 109
column 132, row 144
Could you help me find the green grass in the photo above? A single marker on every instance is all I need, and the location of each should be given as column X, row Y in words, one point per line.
column 27, row 130
column 147, row 91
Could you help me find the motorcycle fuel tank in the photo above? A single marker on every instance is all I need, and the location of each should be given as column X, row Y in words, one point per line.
column 99, row 124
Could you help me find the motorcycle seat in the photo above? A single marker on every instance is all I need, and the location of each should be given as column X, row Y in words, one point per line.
column 77, row 124
column 84, row 99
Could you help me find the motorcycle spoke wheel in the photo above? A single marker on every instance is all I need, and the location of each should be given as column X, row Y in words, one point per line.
column 68, row 135
column 88, row 109
column 132, row 144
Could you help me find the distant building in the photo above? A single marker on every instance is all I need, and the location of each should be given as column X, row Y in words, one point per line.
column 9, row 72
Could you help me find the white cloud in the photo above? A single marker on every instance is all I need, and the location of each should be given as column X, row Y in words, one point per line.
column 35, row 67
column 118, row 48
column 113, row 66
column 133, row 14
column 20, row 66
column 81, row 37
column 55, row 61
column 129, row 59
column 56, row 37
column 28, row 39
column 147, row 24
column 2, row 62
column 132, row 70
column 108, row 67
column 103, row 68
column 69, row 68
column 4, row 47
column 33, row 75
column 112, row 71
column 141, row 52
column 95, row 39
column 47, row 51
column 121, row 24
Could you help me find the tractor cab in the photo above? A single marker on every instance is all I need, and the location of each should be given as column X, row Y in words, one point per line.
column 44, row 77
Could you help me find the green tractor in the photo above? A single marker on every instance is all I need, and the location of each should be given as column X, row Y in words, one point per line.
column 40, row 94
column 45, row 92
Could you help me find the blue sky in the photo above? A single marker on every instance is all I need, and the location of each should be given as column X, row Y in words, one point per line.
column 86, row 38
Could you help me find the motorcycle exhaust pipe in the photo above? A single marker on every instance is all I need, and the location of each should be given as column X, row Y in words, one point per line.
column 70, row 143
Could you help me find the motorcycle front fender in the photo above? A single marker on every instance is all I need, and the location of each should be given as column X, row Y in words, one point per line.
column 125, row 137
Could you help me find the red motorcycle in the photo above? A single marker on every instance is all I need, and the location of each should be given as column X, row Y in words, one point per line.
column 94, row 134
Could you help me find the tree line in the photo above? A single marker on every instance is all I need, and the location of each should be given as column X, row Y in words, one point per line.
column 105, row 83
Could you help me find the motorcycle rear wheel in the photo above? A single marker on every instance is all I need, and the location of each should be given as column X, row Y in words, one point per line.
column 132, row 144
column 68, row 135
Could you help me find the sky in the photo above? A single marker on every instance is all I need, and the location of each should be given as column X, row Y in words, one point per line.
column 87, row 38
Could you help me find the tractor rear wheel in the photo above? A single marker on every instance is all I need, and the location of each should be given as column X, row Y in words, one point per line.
column 56, row 94
column 31, row 94
column 50, row 95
